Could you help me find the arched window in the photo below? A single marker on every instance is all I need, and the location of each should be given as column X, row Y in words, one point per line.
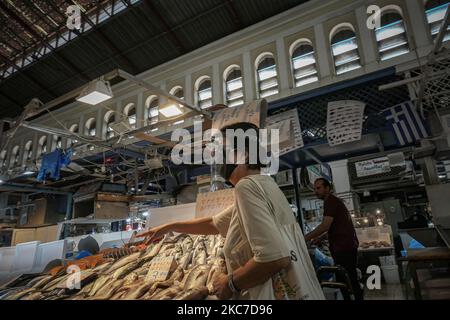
column 435, row 11
column 91, row 127
column 152, row 105
column 391, row 35
column 73, row 128
column 304, row 65
column 267, row 77
column 57, row 142
column 130, row 111
column 3, row 156
column 42, row 146
column 28, row 152
column 110, row 118
column 234, row 88
column 14, row 161
column 344, row 47
column 177, row 92
column 204, row 92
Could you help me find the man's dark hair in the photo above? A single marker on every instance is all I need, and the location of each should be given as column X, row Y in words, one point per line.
column 325, row 182
column 248, row 126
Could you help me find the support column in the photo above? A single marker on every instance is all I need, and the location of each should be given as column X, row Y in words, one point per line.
column 369, row 50
column 283, row 67
column 418, row 24
column 249, row 77
column 188, row 89
column 69, row 207
column 140, row 111
column 341, row 183
column 99, row 124
column 323, row 50
column 298, row 202
column 216, row 85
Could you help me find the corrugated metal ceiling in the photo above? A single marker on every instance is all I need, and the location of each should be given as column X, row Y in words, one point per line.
column 144, row 35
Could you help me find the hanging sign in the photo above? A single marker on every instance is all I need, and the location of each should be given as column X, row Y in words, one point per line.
column 372, row 167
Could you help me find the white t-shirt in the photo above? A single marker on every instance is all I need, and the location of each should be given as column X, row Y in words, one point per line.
column 261, row 225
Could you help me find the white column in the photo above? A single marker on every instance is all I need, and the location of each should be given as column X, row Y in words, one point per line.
column 249, row 77
column 323, row 51
column 368, row 48
column 140, row 111
column 99, row 123
column 416, row 17
column 216, row 85
column 188, row 90
column 21, row 152
column 35, row 147
column 283, row 67
column 341, row 183
column 82, row 126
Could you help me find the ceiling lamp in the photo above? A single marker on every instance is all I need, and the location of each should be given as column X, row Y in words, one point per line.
column 97, row 91
column 170, row 110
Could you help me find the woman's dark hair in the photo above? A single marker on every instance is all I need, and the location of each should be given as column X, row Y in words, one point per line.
column 325, row 182
column 248, row 126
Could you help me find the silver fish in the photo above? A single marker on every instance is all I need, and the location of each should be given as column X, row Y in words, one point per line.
column 20, row 294
column 167, row 294
column 196, row 277
column 99, row 283
column 124, row 261
column 193, row 294
column 42, row 282
column 126, row 269
column 108, row 291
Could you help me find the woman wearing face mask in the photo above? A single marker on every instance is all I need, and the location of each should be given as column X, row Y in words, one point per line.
column 265, row 251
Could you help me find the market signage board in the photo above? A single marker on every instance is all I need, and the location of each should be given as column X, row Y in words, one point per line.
column 289, row 128
column 160, row 268
column 212, row 203
column 372, row 167
column 344, row 121
column 253, row 112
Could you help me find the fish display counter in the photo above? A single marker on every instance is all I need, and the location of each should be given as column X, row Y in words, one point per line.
column 179, row 267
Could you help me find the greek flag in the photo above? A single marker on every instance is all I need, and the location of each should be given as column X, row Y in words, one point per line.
column 406, row 123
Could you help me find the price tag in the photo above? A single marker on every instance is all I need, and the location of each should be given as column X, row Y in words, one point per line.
column 160, row 268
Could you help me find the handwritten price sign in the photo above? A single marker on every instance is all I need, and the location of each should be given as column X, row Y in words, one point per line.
column 160, row 268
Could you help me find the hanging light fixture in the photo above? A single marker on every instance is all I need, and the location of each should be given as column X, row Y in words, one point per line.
column 170, row 110
column 97, row 91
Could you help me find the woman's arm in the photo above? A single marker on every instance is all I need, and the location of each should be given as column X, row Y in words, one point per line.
column 204, row 226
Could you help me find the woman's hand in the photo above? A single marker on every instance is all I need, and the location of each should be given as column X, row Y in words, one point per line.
column 220, row 287
column 153, row 233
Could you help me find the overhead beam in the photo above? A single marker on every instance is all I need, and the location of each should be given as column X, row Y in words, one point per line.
column 179, row 45
column 234, row 14
column 25, row 188
column 29, row 78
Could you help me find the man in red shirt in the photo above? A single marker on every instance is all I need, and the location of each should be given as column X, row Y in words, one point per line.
column 338, row 225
